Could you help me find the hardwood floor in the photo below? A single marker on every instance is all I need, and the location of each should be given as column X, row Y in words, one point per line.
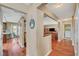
column 62, row 48
column 12, row 48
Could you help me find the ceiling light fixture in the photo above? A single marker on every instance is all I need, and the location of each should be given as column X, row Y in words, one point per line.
column 58, row 5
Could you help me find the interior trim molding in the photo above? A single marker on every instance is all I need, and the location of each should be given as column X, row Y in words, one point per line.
column 48, row 52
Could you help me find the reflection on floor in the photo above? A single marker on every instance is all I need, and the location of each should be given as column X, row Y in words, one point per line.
column 62, row 48
column 12, row 48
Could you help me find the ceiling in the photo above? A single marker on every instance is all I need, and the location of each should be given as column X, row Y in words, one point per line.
column 28, row 4
column 49, row 21
column 64, row 12
column 10, row 15
column 61, row 10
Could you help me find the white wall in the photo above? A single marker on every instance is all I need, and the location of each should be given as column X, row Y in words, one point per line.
column 60, row 30
column 31, row 34
column 76, row 45
column 47, row 48
column 1, row 41
column 36, row 43
column 43, row 43
column 40, row 31
column 77, row 32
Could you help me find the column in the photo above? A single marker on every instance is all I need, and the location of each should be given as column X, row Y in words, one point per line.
column 1, row 40
column 73, row 29
column 35, row 33
column 60, row 30
column 31, row 32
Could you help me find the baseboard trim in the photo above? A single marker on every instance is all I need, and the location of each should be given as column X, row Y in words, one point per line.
column 48, row 53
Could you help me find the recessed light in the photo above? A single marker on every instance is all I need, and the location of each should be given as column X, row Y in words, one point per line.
column 58, row 5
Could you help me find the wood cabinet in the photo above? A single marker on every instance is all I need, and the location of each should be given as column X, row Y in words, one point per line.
column 4, row 38
column 54, row 35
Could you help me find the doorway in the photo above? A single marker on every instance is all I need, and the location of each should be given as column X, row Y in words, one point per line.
column 51, row 28
column 13, row 40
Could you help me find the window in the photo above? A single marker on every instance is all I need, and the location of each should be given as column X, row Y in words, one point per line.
column 14, row 28
column 67, row 30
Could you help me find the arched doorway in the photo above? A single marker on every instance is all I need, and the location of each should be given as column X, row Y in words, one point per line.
column 11, row 39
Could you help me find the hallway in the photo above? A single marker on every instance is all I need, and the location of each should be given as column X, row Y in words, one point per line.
column 44, row 29
column 62, row 48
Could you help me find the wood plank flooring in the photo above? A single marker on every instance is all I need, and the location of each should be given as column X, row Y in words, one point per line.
column 62, row 48
column 12, row 48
